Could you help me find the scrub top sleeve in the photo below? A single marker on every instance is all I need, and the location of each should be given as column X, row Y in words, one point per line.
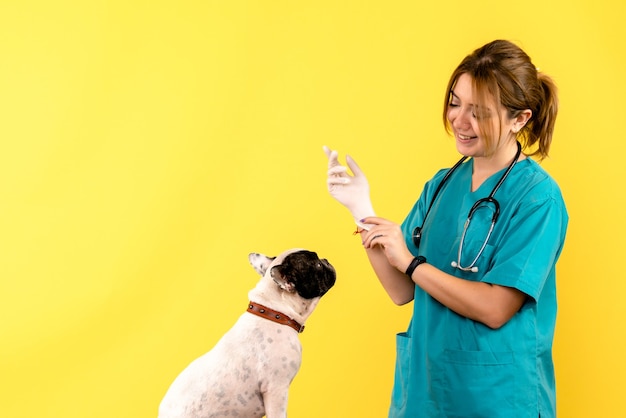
column 530, row 247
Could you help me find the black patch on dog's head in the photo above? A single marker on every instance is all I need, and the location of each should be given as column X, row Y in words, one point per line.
column 310, row 276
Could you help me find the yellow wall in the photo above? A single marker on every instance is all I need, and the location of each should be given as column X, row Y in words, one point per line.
column 146, row 147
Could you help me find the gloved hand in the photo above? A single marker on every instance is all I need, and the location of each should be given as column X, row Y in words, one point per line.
column 351, row 191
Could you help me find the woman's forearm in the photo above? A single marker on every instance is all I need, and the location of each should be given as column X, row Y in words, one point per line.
column 398, row 286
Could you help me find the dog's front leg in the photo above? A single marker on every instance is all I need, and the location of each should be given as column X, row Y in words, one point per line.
column 275, row 403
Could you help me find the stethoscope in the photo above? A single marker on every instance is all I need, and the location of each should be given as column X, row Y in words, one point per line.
column 418, row 231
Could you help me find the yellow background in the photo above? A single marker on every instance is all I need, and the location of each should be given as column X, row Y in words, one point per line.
column 146, row 147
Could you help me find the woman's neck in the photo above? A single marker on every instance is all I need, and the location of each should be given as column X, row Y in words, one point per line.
column 485, row 167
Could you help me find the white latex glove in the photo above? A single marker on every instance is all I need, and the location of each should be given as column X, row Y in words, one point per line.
column 351, row 191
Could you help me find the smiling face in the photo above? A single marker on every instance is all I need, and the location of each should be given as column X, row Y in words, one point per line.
column 479, row 126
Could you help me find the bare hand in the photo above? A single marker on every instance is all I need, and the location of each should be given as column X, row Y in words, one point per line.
column 388, row 236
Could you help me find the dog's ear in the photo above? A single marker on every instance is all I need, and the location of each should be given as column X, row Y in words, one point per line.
column 281, row 280
column 260, row 262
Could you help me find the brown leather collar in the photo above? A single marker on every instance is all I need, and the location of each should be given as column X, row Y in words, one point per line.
column 274, row 316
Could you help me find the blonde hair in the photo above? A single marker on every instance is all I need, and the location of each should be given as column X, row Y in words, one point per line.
column 503, row 72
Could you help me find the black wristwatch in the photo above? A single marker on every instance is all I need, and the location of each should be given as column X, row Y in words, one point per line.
column 414, row 263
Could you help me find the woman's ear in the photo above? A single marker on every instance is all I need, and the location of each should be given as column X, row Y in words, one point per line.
column 520, row 120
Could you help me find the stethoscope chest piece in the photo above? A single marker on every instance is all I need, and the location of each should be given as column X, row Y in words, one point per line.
column 417, row 236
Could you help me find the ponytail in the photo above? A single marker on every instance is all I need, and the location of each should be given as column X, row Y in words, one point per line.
column 541, row 126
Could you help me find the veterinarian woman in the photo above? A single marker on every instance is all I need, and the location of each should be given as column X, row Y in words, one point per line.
column 477, row 252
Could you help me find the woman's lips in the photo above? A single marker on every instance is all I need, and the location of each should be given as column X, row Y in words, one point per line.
column 465, row 137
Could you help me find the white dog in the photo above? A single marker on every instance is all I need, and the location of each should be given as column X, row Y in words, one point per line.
column 248, row 372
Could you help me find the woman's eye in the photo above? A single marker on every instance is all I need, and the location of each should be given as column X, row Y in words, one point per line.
column 481, row 115
column 452, row 104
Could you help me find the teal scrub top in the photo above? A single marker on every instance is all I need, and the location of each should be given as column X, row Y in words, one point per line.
column 451, row 366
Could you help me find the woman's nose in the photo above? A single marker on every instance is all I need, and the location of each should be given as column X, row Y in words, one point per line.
column 461, row 119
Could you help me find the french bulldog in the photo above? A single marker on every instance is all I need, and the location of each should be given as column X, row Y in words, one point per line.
column 248, row 372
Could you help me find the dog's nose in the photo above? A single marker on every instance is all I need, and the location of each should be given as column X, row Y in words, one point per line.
column 327, row 264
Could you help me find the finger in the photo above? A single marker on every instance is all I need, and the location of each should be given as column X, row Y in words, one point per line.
column 354, row 167
column 372, row 231
column 338, row 181
column 333, row 157
column 375, row 220
column 377, row 239
column 337, row 170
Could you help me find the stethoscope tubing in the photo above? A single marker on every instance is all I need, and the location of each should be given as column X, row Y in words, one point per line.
column 417, row 232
